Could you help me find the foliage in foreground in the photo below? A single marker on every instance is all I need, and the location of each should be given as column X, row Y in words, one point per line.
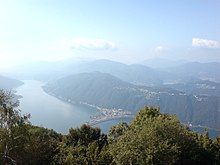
column 151, row 138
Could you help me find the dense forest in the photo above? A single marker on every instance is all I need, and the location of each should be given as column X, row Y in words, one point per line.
column 151, row 138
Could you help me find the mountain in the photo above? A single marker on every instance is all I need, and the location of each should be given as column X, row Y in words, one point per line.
column 161, row 63
column 168, row 72
column 95, row 88
column 9, row 83
column 107, row 91
column 203, row 71
column 135, row 73
column 46, row 71
column 196, row 86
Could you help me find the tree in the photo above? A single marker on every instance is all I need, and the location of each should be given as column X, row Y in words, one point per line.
column 216, row 149
column 42, row 145
column 145, row 142
column 81, row 146
column 154, row 138
column 83, row 135
column 12, row 128
column 116, row 131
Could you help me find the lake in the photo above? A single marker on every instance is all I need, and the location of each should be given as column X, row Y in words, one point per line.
column 52, row 113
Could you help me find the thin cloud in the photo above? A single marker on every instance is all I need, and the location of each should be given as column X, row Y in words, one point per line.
column 81, row 44
column 160, row 49
column 204, row 43
column 93, row 44
column 53, row 50
column 85, row 44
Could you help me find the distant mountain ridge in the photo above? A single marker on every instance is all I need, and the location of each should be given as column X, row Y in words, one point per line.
column 204, row 71
column 135, row 73
column 201, row 87
column 183, row 72
column 160, row 63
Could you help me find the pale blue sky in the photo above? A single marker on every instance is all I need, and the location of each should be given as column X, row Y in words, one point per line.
column 129, row 31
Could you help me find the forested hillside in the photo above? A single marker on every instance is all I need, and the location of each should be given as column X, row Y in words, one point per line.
column 151, row 138
column 107, row 91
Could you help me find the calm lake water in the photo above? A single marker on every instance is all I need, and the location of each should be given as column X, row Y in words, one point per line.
column 50, row 112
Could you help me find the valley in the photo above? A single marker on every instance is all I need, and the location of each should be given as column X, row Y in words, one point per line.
column 118, row 90
column 106, row 91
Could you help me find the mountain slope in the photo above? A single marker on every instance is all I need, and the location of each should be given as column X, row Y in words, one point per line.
column 204, row 71
column 135, row 73
column 162, row 63
column 107, row 91
column 202, row 87
column 9, row 83
column 96, row 88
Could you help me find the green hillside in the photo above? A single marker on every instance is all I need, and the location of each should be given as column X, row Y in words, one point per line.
column 96, row 88
column 107, row 91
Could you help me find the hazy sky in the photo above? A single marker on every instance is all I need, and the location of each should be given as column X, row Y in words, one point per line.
column 126, row 30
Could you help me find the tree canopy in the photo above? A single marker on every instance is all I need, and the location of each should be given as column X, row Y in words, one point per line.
column 151, row 138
